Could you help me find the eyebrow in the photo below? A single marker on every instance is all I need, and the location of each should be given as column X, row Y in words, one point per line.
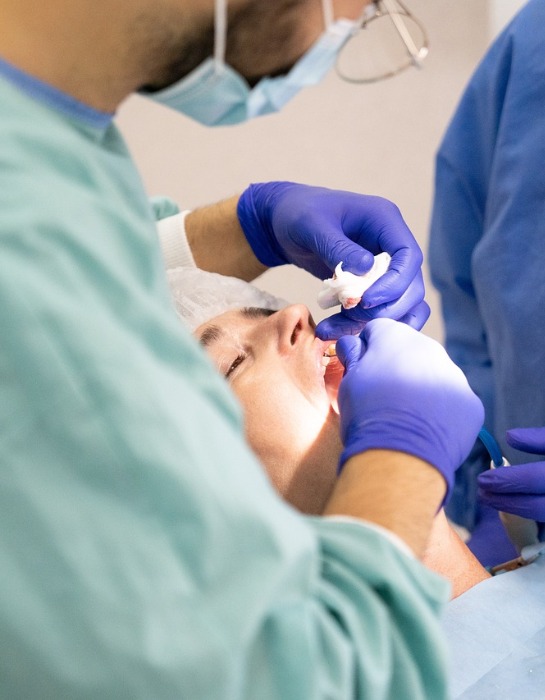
column 213, row 333
column 256, row 312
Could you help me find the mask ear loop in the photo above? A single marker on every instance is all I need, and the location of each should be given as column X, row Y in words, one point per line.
column 327, row 9
column 220, row 34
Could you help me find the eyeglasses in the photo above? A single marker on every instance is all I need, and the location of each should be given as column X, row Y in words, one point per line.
column 388, row 41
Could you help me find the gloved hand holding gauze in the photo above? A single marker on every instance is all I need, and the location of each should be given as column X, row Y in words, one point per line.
column 346, row 288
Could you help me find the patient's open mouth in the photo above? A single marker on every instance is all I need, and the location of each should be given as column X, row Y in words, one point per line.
column 333, row 372
column 329, row 354
column 332, row 379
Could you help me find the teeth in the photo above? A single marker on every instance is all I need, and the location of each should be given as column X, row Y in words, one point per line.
column 329, row 354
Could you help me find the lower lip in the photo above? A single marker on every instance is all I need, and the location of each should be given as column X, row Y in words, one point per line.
column 333, row 374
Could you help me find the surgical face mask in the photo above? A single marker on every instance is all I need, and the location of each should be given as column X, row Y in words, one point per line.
column 214, row 94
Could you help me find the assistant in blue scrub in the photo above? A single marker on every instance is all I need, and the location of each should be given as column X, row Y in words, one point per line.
column 487, row 246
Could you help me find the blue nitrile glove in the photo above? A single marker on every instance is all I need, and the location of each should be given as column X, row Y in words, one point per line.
column 519, row 489
column 401, row 391
column 316, row 228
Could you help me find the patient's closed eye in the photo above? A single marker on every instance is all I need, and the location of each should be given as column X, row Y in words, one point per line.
column 239, row 359
column 256, row 312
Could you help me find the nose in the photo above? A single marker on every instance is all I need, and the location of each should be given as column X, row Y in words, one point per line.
column 293, row 324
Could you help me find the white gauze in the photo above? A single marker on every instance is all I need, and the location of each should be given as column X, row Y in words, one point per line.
column 347, row 289
column 198, row 296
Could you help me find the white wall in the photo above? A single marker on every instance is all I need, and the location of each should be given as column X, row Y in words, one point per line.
column 501, row 11
column 377, row 139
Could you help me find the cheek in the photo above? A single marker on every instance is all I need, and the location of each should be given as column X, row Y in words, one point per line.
column 282, row 425
column 295, row 437
column 275, row 416
column 299, row 451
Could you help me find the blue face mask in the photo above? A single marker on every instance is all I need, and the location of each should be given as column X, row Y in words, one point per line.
column 214, row 94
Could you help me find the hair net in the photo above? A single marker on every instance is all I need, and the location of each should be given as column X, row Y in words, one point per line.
column 199, row 296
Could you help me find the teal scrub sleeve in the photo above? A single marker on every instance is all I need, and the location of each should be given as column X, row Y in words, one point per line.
column 163, row 207
column 143, row 551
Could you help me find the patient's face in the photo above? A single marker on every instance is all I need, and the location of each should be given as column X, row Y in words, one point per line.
column 275, row 366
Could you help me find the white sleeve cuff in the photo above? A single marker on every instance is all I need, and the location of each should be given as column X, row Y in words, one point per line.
column 173, row 240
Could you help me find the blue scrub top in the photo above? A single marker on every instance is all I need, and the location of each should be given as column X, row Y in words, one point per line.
column 487, row 240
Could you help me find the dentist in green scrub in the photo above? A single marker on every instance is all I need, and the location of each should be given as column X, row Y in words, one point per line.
column 143, row 553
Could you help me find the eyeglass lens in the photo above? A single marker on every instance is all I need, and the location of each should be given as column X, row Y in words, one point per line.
column 387, row 44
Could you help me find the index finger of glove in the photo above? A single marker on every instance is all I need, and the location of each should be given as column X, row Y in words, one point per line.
column 417, row 316
column 531, row 507
column 393, row 284
column 530, row 440
column 339, row 325
column 334, row 246
column 373, row 224
column 349, row 349
column 521, row 478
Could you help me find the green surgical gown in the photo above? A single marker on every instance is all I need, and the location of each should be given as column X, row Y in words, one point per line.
column 143, row 552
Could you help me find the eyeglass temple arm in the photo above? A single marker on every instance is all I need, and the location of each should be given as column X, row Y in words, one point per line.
column 406, row 38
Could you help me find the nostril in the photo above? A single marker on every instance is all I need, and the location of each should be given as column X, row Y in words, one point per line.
column 295, row 333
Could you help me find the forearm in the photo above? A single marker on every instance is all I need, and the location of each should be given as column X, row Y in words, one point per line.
column 218, row 243
column 392, row 489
